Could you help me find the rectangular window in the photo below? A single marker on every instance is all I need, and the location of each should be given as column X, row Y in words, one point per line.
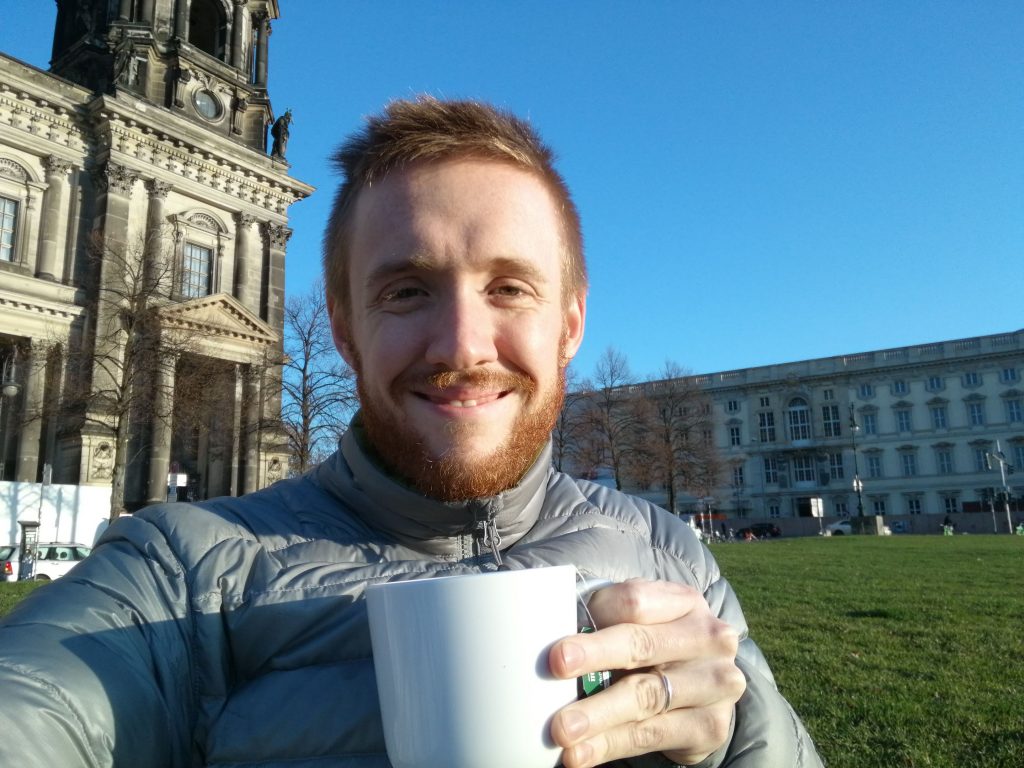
column 830, row 420
column 869, row 423
column 874, row 466
column 766, row 426
column 732, row 406
column 976, row 414
column 909, row 464
column 903, row 420
column 835, row 466
column 771, row 470
column 708, row 436
column 765, row 402
column 1014, row 412
column 734, row 436
column 828, row 394
column 799, row 422
column 1008, row 375
column 195, row 271
column 899, row 387
column 737, row 476
column 878, row 505
column 913, row 506
column 935, row 384
column 8, row 222
column 1018, row 458
column 803, row 469
column 972, row 379
column 866, row 391
column 950, row 505
column 841, row 510
column 774, row 511
column 944, row 461
column 980, row 460
column 939, row 419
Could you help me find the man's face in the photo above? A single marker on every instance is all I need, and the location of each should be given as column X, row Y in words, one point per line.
column 458, row 332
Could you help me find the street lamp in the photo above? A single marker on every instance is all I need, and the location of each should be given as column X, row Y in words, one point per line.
column 858, row 484
column 9, row 389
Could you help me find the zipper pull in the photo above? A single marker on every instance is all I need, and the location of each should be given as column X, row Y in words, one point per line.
column 492, row 539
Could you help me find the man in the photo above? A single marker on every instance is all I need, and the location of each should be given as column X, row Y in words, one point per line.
column 234, row 631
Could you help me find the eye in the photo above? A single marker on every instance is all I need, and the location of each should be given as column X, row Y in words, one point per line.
column 403, row 293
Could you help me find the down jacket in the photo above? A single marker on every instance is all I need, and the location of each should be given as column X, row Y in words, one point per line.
column 233, row 632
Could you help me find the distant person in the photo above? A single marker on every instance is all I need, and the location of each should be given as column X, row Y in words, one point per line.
column 234, row 631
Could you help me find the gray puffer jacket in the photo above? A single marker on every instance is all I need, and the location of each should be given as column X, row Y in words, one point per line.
column 233, row 632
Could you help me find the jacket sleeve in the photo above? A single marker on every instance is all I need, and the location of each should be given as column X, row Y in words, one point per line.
column 94, row 667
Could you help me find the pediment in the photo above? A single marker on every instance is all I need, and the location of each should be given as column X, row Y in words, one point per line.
column 220, row 315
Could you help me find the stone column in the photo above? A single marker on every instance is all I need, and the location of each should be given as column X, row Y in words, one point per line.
column 27, row 469
column 114, row 183
column 236, row 431
column 276, row 236
column 245, row 288
column 53, row 203
column 253, row 413
column 147, row 11
column 158, row 270
column 124, row 12
column 262, row 21
column 181, row 20
column 238, row 38
column 163, row 414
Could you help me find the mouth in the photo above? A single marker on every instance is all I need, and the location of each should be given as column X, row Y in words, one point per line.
column 462, row 401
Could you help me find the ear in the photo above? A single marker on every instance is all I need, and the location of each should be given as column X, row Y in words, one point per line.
column 575, row 320
column 339, row 329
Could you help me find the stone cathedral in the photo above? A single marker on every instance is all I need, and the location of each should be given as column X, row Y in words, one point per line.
column 146, row 168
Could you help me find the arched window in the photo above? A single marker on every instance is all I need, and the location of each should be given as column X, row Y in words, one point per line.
column 208, row 27
column 799, row 417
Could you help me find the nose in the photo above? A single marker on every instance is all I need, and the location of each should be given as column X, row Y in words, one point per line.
column 463, row 332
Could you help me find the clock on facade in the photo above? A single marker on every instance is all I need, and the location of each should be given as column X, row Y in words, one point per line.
column 207, row 104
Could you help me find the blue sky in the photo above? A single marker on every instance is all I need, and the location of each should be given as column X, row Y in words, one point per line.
column 759, row 182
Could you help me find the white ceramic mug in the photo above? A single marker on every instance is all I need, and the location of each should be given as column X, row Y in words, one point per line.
column 462, row 666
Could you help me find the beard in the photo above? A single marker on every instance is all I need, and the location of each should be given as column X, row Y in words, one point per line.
column 460, row 474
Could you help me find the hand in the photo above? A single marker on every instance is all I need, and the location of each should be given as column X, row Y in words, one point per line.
column 657, row 628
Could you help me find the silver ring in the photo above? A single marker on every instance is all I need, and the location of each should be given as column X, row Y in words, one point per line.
column 667, row 685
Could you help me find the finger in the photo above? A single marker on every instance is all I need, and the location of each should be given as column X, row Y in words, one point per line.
column 686, row 736
column 635, row 646
column 644, row 695
column 643, row 602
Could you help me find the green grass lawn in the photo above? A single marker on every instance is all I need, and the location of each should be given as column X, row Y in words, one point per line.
column 896, row 651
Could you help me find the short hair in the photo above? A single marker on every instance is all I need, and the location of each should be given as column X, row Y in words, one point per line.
column 428, row 129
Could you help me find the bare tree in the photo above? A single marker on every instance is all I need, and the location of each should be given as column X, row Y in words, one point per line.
column 681, row 426
column 318, row 386
column 611, row 411
column 123, row 378
column 569, row 429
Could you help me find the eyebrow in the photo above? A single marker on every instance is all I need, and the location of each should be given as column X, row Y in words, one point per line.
column 421, row 262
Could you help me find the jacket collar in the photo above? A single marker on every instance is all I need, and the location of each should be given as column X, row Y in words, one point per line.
column 424, row 524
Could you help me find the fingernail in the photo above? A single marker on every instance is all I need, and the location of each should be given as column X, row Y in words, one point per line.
column 574, row 723
column 572, row 656
column 582, row 754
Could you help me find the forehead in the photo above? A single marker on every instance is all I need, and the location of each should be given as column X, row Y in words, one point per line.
column 456, row 211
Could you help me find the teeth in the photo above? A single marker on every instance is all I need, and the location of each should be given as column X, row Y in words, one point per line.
column 462, row 403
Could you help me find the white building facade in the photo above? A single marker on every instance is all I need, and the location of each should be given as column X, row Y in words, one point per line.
column 916, row 428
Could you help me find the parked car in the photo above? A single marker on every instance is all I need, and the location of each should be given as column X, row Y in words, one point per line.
column 845, row 528
column 759, row 531
column 839, row 528
column 9, row 562
column 55, row 558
